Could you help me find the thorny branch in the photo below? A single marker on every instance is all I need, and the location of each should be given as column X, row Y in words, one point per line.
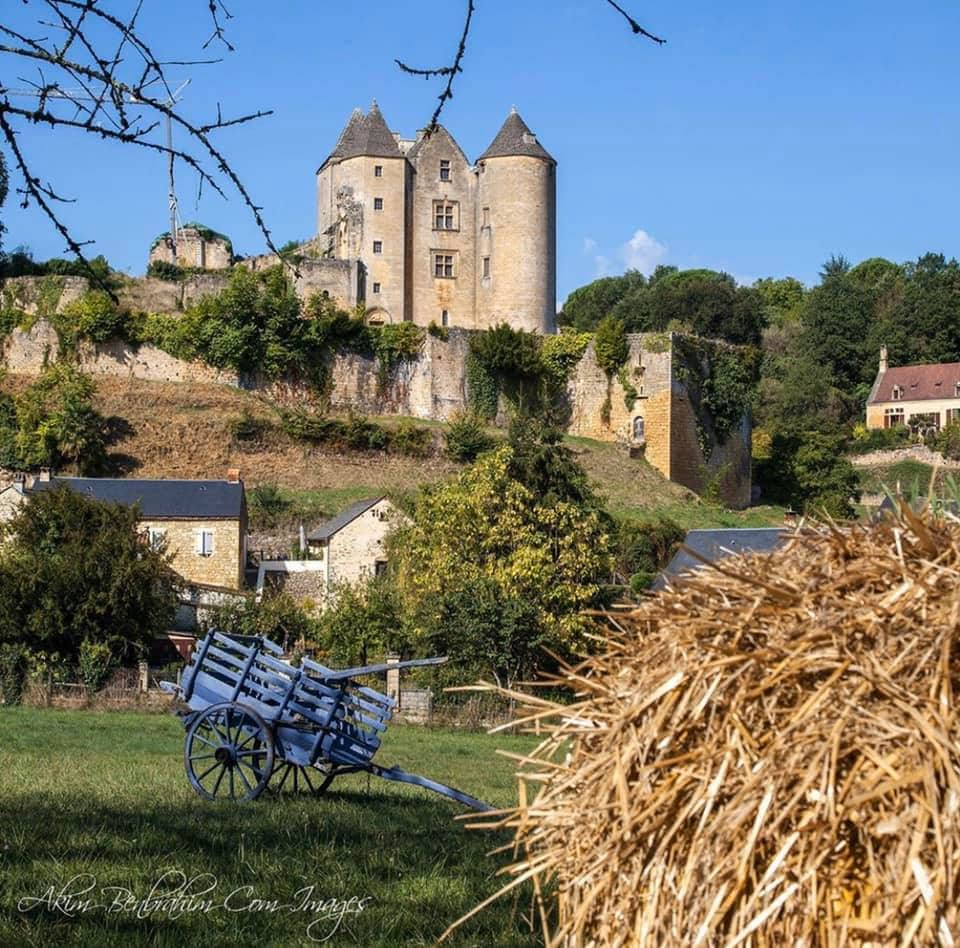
column 450, row 72
column 97, row 73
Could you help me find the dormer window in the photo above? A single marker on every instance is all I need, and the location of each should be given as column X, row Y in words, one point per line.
column 897, row 392
column 956, row 390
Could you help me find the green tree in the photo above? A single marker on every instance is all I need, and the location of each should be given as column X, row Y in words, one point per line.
column 484, row 524
column 74, row 570
column 782, row 300
column 366, row 620
column 57, row 423
column 610, row 345
column 586, row 306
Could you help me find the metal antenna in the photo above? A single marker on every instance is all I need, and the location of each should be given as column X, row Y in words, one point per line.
column 74, row 95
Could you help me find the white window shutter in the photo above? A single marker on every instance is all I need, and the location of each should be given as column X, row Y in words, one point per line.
column 208, row 544
column 199, row 545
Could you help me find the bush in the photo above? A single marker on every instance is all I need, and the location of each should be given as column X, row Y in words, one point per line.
column 248, row 428
column 466, row 437
column 947, row 441
column 641, row 550
column 164, row 270
column 610, row 345
column 864, row 440
column 411, row 440
column 267, row 504
column 93, row 316
column 95, row 665
column 279, row 618
column 13, row 672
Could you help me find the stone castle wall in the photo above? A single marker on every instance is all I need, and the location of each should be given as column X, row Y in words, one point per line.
column 661, row 421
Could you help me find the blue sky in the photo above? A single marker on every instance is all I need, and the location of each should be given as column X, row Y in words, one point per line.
column 762, row 138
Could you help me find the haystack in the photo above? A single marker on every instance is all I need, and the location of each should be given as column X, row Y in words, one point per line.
column 767, row 754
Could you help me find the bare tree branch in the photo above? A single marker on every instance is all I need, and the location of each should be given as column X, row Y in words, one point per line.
column 455, row 67
column 97, row 73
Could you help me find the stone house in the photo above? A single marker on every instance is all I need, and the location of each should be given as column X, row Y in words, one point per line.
column 925, row 398
column 351, row 545
column 204, row 523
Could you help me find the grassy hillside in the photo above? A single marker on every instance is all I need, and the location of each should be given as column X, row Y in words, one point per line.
column 178, row 430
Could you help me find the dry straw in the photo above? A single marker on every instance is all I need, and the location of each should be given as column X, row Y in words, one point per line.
column 767, row 754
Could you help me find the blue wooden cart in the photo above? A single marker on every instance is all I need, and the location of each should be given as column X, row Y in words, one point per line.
column 254, row 721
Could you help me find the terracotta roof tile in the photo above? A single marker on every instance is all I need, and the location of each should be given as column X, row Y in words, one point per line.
column 919, row 383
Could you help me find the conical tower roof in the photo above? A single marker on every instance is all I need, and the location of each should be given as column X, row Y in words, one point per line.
column 365, row 135
column 515, row 138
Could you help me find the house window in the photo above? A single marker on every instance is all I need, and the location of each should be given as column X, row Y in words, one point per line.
column 897, row 393
column 486, row 268
column 445, row 318
column 378, row 171
column 445, row 215
column 378, row 246
column 486, row 217
column 378, row 204
column 953, row 415
column 376, row 287
column 443, row 265
column 956, row 390
column 444, row 170
column 156, row 537
column 205, row 543
column 892, row 417
column 380, row 568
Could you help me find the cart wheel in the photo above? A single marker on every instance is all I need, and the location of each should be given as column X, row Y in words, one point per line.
column 229, row 752
column 292, row 778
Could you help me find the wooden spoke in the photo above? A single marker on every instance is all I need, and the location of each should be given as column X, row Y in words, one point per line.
column 224, row 734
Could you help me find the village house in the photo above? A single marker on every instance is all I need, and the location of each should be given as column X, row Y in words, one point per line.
column 204, row 523
column 348, row 548
column 925, row 398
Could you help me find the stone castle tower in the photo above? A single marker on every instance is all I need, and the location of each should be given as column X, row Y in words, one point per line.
column 439, row 240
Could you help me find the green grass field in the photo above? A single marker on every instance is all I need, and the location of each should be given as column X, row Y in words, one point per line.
column 102, row 799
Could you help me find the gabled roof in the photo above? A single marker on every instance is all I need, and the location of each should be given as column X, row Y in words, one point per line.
column 919, row 382
column 190, row 500
column 716, row 544
column 515, row 138
column 367, row 136
column 337, row 523
column 426, row 137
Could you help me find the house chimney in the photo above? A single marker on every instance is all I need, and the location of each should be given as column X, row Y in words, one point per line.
column 884, row 365
column 44, row 475
column 233, row 475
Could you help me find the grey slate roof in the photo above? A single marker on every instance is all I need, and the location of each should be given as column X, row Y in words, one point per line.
column 367, row 136
column 515, row 138
column 716, row 544
column 335, row 524
column 193, row 500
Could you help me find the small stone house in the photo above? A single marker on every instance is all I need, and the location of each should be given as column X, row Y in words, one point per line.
column 351, row 545
column 925, row 398
column 204, row 523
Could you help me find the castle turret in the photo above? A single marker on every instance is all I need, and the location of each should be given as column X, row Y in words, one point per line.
column 516, row 231
column 361, row 200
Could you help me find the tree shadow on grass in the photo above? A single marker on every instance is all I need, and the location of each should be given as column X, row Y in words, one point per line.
column 420, row 869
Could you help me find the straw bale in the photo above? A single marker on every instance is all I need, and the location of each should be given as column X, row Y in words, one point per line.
column 766, row 754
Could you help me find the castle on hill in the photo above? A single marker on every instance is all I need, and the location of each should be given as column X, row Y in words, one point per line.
column 436, row 238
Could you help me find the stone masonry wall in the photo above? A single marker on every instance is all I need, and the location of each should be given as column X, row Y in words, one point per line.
column 353, row 551
column 224, row 567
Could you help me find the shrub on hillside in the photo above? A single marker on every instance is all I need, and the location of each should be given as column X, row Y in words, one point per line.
column 266, row 504
column 466, row 437
column 95, row 665
column 947, row 441
column 641, row 550
column 356, row 433
column 864, row 440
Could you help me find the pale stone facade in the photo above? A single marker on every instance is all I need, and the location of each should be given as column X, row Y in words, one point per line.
column 441, row 240
column 196, row 247
column 222, row 567
column 352, row 546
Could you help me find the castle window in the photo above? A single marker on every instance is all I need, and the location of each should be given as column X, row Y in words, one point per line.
column 485, row 221
column 378, row 204
column 639, row 430
column 444, row 170
column 376, row 287
column 486, row 268
column 445, row 318
column 378, row 171
column 378, row 246
column 446, row 215
column 443, row 265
